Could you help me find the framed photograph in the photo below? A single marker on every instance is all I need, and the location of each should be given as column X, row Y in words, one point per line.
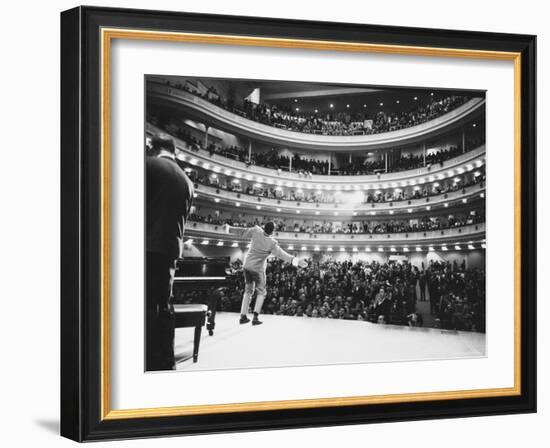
column 277, row 224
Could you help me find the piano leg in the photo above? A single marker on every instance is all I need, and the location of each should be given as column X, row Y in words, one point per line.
column 213, row 300
column 197, row 342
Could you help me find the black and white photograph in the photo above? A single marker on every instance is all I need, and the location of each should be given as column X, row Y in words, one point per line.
column 303, row 223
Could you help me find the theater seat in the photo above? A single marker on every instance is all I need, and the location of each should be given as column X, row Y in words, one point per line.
column 192, row 315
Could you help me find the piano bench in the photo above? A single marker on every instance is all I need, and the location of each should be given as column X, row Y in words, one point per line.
column 192, row 315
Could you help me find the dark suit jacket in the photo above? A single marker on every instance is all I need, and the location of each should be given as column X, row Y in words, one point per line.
column 169, row 194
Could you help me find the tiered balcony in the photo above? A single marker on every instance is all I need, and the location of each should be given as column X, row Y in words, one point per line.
column 204, row 110
column 464, row 238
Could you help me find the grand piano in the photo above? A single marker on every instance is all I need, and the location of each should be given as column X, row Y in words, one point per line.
column 199, row 284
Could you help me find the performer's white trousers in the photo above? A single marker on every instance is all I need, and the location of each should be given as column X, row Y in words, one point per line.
column 246, row 303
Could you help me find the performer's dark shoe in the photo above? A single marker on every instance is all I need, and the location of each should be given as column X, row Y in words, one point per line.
column 244, row 320
column 256, row 322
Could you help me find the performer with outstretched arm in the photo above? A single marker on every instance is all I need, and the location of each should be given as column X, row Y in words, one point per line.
column 262, row 244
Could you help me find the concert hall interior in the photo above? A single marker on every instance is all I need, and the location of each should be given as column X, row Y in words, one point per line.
column 376, row 187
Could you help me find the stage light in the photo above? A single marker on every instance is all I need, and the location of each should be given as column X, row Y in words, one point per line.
column 235, row 244
column 205, row 242
column 432, row 94
column 471, row 246
column 364, row 105
column 220, row 243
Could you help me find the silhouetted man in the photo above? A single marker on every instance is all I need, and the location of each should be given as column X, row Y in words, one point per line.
column 169, row 194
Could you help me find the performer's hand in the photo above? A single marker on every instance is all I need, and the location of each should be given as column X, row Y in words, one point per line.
column 299, row 262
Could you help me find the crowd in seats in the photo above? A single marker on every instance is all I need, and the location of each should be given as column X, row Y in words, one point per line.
column 374, row 292
column 334, row 123
column 422, row 224
column 331, row 197
column 308, row 166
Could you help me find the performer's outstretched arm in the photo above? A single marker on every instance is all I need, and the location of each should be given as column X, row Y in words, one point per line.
column 245, row 232
column 285, row 256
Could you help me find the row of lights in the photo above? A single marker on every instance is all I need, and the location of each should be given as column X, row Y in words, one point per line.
column 331, row 105
column 444, row 247
column 259, row 179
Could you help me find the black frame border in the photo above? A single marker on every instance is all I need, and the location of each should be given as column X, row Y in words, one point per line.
column 81, row 223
